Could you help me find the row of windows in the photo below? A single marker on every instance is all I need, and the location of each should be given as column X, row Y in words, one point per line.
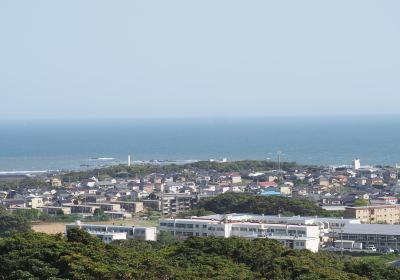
column 242, row 229
column 95, row 228
column 130, row 231
column 178, row 225
column 103, row 229
column 370, row 237
column 283, row 231
column 247, row 229
column 216, row 228
column 184, row 225
column 335, row 225
column 275, row 231
column 184, row 233
column 167, row 224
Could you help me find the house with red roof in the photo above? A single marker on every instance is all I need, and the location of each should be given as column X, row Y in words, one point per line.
column 267, row 184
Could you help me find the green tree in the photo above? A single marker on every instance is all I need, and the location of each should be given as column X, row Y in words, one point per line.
column 29, row 214
column 12, row 223
column 166, row 238
column 195, row 212
column 80, row 256
column 361, row 202
column 230, row 202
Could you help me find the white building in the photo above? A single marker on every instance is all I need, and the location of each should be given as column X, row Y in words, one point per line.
column 292, row 236
column 109, row 233
column 356, row 164
column 384, row 200
column 294, row 232
column 108, row 237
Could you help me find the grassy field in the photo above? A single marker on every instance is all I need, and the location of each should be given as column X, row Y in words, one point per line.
column 383, row 259
column 54, row 228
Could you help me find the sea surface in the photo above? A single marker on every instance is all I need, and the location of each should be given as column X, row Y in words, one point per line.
column 34, row 145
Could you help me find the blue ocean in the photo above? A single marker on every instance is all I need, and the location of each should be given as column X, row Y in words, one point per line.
column 78, row 144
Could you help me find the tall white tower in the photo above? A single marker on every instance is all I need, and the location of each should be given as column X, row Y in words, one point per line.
column 356, row 164
column 129, row 160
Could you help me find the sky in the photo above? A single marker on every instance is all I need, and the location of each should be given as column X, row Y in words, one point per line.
column 181, row 59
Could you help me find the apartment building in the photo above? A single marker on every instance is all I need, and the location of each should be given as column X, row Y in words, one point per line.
column 109, row 233
column 107, row 206
column 81, row 208
column 377, row 214
column 172, row 204
column 55, row 210
column 118, row 215
column 130, row 206
column 153, row 204
column 293, row 236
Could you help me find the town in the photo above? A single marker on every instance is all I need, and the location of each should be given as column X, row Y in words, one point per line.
column 359, row 208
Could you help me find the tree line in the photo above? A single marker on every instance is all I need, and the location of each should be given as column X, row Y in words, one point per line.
column 28, row 255
column 80, row 256
column 137, row 170
column 231, row 202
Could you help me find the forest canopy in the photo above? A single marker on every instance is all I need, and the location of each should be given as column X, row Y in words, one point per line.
column 272, row 205
column 31, row 255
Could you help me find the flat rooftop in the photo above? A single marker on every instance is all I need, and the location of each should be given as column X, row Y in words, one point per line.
column 380, row 229
column 104, row 225
column 292, row 219
column 374, row 206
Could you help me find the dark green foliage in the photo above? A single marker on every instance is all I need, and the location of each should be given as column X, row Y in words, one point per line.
column 80, row 256
column 248, row 203
column 77, row 235
column 361, row 202
column 23, row 184
column 373, row 270
column 166, row 238
column 41, row 256
column 122, row 171
column 37, row 215
column 10, row 223
column 31, row 214
column 195, row 212
column 244, row 165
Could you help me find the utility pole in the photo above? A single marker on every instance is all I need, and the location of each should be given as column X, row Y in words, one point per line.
column 341, row 239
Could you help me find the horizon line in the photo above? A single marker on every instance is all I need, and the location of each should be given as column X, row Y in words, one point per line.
column 290, row 116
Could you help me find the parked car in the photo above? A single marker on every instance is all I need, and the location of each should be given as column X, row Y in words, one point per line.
column 371, row 248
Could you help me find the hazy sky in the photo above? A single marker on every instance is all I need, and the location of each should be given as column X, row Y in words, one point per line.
column 198, row 58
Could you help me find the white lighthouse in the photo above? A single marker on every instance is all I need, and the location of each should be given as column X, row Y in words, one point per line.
column 129, row 160
column 356, row 164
